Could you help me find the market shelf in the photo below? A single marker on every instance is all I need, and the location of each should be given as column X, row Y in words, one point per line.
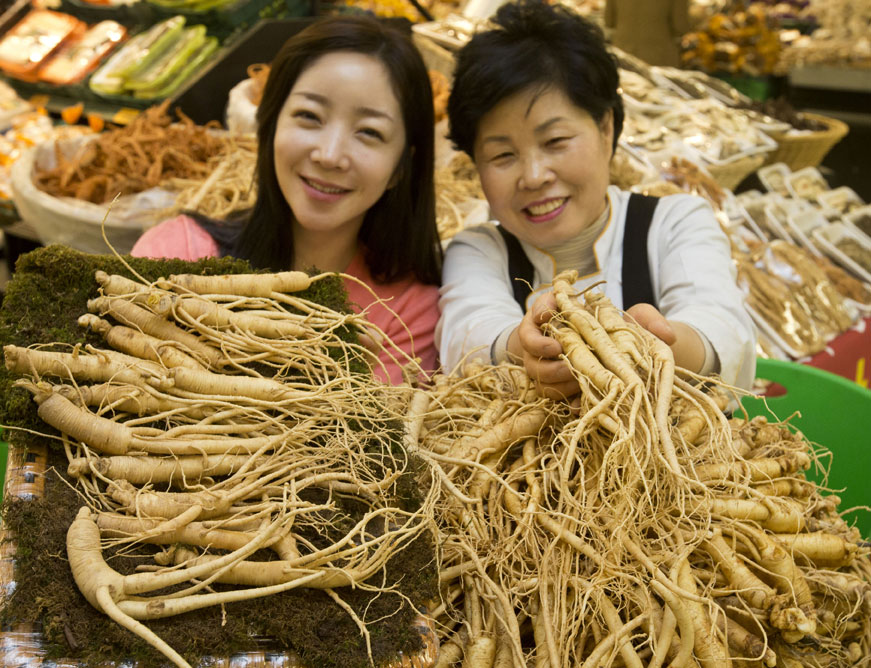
column 831, row 77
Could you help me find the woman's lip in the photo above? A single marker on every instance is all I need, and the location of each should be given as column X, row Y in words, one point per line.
column 550, row 215
column 312, row 188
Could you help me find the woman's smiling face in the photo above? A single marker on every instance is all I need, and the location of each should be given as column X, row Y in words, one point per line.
column 338, row 141
column 544, row 165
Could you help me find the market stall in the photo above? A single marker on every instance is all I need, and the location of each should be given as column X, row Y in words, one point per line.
column 427, row 523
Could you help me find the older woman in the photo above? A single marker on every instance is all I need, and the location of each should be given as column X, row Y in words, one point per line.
column 536, row 105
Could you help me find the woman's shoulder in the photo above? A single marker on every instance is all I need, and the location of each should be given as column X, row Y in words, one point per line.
column 488, row 230
column 483, row 236
column 180, row 238
column 673, row 203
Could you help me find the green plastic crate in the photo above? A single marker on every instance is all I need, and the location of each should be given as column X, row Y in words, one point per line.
column 836, row 413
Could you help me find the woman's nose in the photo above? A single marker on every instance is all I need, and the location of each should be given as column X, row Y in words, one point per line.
column 330, row 151
column 536, row 173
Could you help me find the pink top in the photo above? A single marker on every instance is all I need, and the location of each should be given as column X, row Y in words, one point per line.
column 416, row 304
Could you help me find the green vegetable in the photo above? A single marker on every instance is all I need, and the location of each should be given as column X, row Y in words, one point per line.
column 171, row 61
column 196, row 61
column 105, row 80
column 161, row 37
column 135, row 55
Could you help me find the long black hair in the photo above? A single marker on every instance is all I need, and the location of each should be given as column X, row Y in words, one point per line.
column 399, row 231
column 533, row 45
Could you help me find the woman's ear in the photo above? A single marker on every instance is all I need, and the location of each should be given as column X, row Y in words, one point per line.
column 606, row 126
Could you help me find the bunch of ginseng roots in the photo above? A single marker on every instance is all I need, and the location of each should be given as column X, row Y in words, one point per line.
column 148, row 152
column 226, row 418
column 643, row 528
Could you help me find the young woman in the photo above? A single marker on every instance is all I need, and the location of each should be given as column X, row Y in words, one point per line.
column 345, row 179
column 535, row 103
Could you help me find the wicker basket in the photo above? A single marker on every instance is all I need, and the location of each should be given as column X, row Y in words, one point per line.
column 808, row 149
column 729, row 174
column 21, row 645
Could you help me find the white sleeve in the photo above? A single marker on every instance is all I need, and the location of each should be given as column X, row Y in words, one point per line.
column 476, row 303
column 695, row 280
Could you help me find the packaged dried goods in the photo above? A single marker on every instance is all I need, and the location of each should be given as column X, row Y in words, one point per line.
column 847, row 246
column 791, row 299
column 807, row 183
column 843, row 200
column 861, row 219
column 78, row 57
column 28, row 44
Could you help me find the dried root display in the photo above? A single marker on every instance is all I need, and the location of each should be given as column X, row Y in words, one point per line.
column 224, row 420
column 229, row 186
column 133, row 158
column 456, row 183
column 791, row 293
column 640, row 527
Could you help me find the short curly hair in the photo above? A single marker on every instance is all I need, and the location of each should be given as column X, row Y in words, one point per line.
column 533, row 45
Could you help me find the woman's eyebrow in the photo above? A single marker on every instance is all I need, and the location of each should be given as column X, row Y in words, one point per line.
column 360, row 111
column 370, row 111
column 541, row 127
column 495, row 139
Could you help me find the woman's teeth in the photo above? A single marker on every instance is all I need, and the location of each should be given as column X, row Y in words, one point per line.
column 326, row 189
column 547, row 207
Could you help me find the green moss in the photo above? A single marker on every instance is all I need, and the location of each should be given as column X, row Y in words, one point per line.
column 48, row 292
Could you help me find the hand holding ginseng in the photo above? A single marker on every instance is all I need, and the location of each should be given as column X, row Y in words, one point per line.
column 541, row 354
column 685, row 342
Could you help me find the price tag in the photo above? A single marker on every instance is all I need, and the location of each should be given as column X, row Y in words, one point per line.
column 861, row 377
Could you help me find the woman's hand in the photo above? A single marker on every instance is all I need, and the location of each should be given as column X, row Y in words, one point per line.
column 685, row 343
column 540, row 354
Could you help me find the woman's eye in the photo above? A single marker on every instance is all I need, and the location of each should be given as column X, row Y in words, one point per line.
column 372, row 132
column 305, row 115
column 557, row 141
column 501, row 157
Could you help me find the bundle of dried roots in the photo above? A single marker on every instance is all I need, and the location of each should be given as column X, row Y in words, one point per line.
column 225, row 418
column 641, row 528
column 133, row 158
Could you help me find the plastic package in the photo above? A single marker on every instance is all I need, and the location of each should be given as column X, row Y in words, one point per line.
column 847, row 246
column 29, row 42
column 843, row 200
column 135, row 56
column 801, row 226
column 78, row 57
column 860, row 219
column 241, row 110
column 774, row 177
column 807, row 183
column 792, row 300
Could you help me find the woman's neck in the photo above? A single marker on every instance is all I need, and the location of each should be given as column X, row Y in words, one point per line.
column 325, row 251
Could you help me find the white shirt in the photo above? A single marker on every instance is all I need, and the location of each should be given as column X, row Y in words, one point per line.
column 692, row 276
